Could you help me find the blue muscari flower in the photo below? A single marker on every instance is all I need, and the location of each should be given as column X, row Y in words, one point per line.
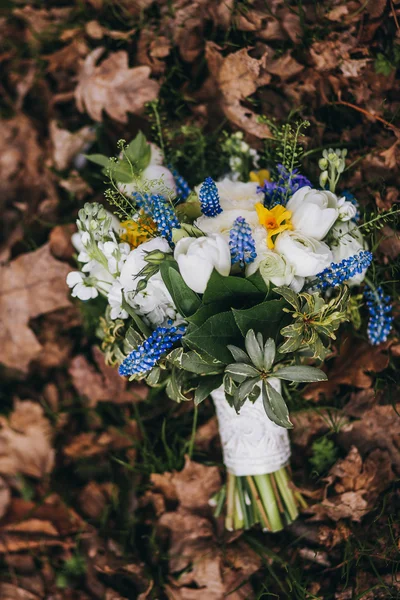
column 338, row 273
column 161, row 211
column 241, row 243
column 182, row 186
column 351, row 198
column 380, row 319
column 209, row 198
column 146, row 356
column 278, row 192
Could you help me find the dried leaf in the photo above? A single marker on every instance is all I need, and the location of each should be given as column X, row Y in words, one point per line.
column 31, row 285
column 357, row 485
column 90, row 444
column 113, row 87
column 25, row 441
column 105, row 384
column 356, row 359
column 238, row 76
column 67, row 145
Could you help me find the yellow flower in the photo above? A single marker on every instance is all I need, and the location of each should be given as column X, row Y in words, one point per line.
column 260, row 176
column 275, row 221
column 137, row 232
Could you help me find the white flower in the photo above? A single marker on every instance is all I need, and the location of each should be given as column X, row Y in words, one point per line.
column 347, row 210
column 273, row 267
column 347, row 241
column 154, row 302
column 135, row 261
column 115, row 301
column 237, row 195
column 307, row 255
column 157, row 178
column 313, row 211
column 116, row 255
column 198, row 257
column 84, row 291
column 223, row 222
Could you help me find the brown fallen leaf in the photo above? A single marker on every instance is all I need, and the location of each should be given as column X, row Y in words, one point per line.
column 67, row 58
column 238, row 76
column 66, row 145
column 9, row 591
column 5, row 496
column 389, row 243
column 379, row 427
column 90, row 444
column 25, row 441
column 192, row 487
column 357, row 485
column 352, row 366
column 60, row 241
column 95, row 497
column 31, row 285
column 104, row 384
column 28, row 526
column 100, row 85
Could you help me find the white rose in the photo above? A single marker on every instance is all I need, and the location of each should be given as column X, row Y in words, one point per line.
column 313, row 211
column 347, row 210
column 236, row 194
column 307, row 255
column 135, row 261
column 223, row 222
column 347, row 242
column 198, row 257
column 154, row 303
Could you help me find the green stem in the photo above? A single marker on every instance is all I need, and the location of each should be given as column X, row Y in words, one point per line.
column 230, row 502
column 282, row 480
column 193, row 435
column 240, row 492
column 269, row 501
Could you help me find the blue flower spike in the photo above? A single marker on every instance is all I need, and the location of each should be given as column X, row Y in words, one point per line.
column 161, row 211
column 241, row 243
column 209, row 198
column 145, row 357
column 380, row 318
column 338, row 273
column 182, row 186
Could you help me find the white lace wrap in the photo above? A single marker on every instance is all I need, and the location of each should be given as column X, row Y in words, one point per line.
column 251, row 443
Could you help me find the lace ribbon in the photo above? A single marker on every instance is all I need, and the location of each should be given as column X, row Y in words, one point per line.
column 251, row 443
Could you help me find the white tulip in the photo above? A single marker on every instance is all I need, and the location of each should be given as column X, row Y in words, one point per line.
column 198, row 257
column 308, row 256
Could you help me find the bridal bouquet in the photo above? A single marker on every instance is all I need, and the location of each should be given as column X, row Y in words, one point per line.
column 233, row 290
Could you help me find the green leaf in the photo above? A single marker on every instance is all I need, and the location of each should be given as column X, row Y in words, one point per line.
column 230, row 291
column 265, row 318
column 138, row 152
column 203, row 313
column 275, row 406
column 241, row 371
column 301, row 374
column 174, row 386
column 185, row 299
column 229, row 385
column 206, row 386
column 200, row 364
column 243, row 391
column 141, row 325
column 214, row 336
column 257, row 280
column 253, row 349
column 98, row 159
column 269, row 354
column 290, row 296
column 238, row 354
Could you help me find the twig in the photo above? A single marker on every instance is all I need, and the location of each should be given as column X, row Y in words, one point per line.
column 368, row 114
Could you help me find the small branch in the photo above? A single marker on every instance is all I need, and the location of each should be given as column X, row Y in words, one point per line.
column 368, row 114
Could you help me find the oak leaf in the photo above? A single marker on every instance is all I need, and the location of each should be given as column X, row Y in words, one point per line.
column 113, row 87
column 31, row 285
column 238, row 76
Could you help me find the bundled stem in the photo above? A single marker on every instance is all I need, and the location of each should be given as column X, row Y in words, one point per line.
column 270, row 500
